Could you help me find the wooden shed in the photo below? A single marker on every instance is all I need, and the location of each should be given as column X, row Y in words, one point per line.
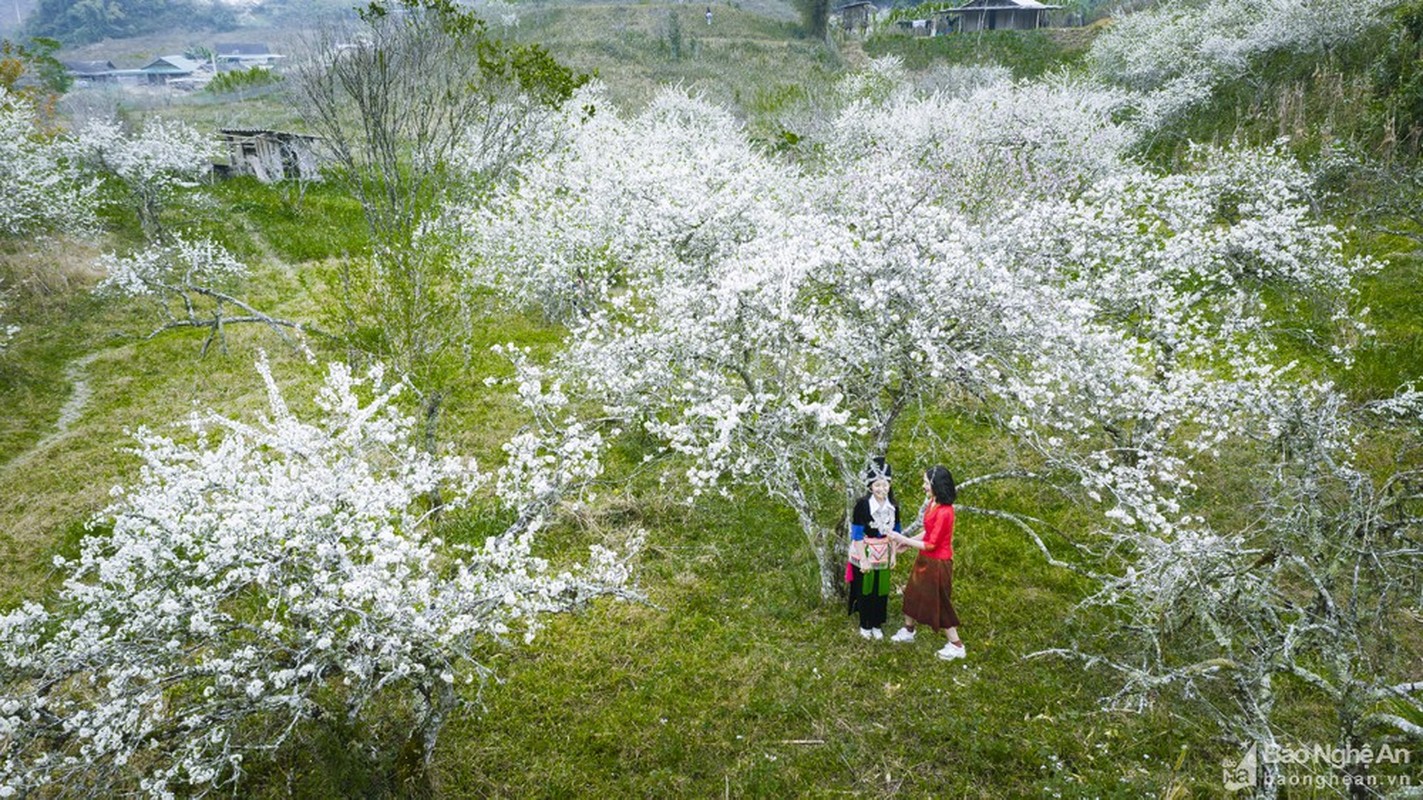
column 271, row 156
column 856, row 16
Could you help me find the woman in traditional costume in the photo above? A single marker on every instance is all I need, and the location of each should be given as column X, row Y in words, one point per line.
column 875, row 516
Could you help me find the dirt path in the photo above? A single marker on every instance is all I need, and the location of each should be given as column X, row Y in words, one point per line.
column 853, row 51
column 76, row 372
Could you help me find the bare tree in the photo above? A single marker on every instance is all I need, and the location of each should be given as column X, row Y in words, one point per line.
column 399, row 95
column 1312, row 594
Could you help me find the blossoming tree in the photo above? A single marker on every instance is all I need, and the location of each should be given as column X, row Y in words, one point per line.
column 42, row 188
column 1175, row 55
column 394, row 94
column 1000, row 252
column 187, row 281
column 151, row 162
column 1303, row 597
column 266, row 576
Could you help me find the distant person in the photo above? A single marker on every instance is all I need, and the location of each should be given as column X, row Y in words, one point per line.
column 875, row 516
column 708, row 15
column 928, row 597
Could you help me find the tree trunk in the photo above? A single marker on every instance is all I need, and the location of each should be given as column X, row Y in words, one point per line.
column 830, row 577
column 816, row 536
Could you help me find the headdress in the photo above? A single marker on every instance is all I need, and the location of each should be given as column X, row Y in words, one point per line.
column 877, row 470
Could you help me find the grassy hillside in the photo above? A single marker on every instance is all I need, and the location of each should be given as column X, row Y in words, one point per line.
column 637, row 48
column 733, row 679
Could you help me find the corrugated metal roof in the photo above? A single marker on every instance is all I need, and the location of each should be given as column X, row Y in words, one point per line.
column 1005, row 5
column 172, row 64
column 264, row 132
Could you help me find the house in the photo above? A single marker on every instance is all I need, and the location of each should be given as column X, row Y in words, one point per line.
column 243, row 56
column 917, row 27
column 271, row 156
column 169, row 68
column 91, row 71
column 1003, row 15
column 856, row 16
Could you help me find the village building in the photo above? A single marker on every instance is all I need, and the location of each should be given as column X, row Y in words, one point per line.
column 236, row 56
column 856, row 16
column 170, row 70
column 1002, row 15
column 91, row 71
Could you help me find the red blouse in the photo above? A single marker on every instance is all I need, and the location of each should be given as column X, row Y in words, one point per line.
column 939, row 533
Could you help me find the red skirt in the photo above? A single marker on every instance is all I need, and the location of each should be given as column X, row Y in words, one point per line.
column 928, row 597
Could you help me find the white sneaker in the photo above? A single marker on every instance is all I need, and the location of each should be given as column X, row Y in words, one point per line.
column 879, row 634
column 865, row 633
column 952, row 651
column 902, row 635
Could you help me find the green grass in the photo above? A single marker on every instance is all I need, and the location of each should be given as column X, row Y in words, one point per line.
column 321, row 223
column 1396, row 357
column 736, row 679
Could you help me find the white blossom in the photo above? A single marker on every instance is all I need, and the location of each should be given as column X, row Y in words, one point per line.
column 42, row 188
column 6, row 331
column 153, row 162
column 1176, row 54
column 769, row 324
column 256, row 573
column 159, row 268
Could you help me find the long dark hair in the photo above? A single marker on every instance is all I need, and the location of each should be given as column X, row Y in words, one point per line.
column 941, row 484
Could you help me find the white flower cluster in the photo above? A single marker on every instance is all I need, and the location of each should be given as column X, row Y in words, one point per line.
column 158, row 268
column 1175, row 54
column 978, row 152
column 1179, row 267
column 556, row 452
column 164, row 155
column 571, row 234
column 41, row 186
column 257, row 578
column 770, row 323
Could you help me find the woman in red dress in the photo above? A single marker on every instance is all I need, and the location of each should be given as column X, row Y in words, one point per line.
column 928, row 597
